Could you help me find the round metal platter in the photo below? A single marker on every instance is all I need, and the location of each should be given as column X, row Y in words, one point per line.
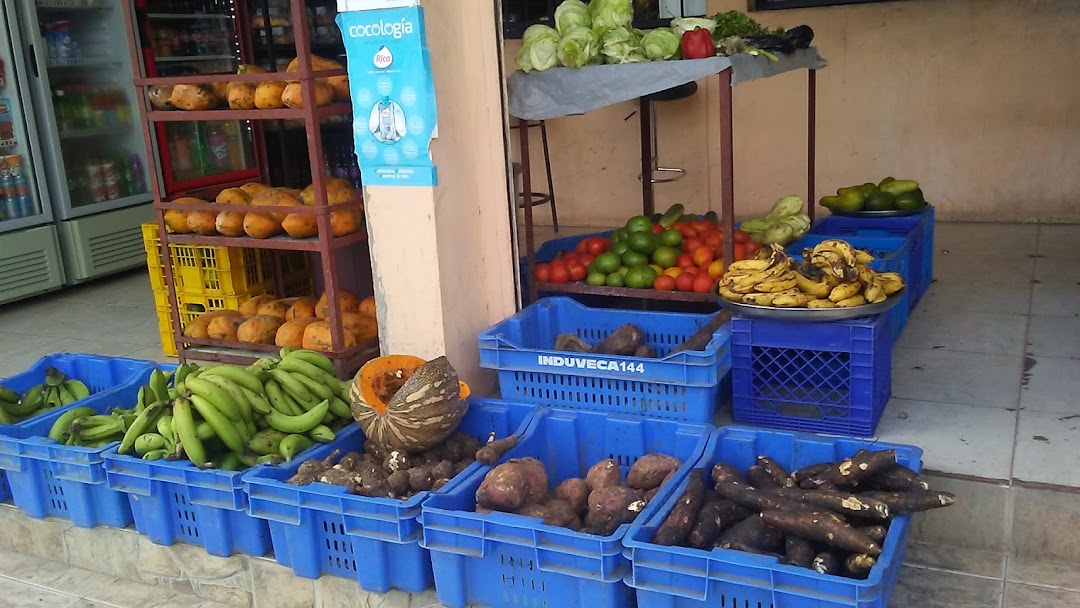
column 880, row 214
column 812, row 314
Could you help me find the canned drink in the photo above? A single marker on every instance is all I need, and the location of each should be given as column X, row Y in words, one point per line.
column 95, row 182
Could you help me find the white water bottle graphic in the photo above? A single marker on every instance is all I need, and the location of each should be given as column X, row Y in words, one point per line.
column 387, row 121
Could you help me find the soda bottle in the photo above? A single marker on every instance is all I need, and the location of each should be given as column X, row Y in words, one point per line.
column 125, row 178
column 22, row 189
column 203, row 162
column 85, row 109
column 180, row 148
column 139, row 183
column 63, row 114
column 111, row 179
column 7, row 191
column 95, row 181
column 218, row 145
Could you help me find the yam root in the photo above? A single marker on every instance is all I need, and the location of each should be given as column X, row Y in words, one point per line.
column 822, row 527
column 779, row 476
column 714, row 518
column 574, row 492
column 680, row 522
column 612, row 507
column 807, row 473
column 911, row 502
column 603, row 474
column 827, row 563
column 798, row 551
column 703, row 336
column 623, row 341
column 494, row 450
column 723, row 473
column 896, row 479
column 851, row 471
column 751, row 534
column 651, row 470
column 858, row 565
column 571, row 343
column 875, row 533
column 504, row 488
column 749, row 496
column 757, row 477
column 838, row 502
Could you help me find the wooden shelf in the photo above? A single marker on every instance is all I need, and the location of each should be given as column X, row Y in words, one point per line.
column 280, row 242
column 279, row 114
column 629, row 292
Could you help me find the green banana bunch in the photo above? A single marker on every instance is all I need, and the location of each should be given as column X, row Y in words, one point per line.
column 57, row 390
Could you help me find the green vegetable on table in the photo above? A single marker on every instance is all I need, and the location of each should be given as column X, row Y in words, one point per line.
column 737, row 23
column 538, row 49
column 688, row 24
column 578, row 47
column 572, row 13
column 621, row 45
column 660, row 44
column 610, row 14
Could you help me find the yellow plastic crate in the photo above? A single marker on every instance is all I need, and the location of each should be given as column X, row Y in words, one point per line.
column 189, row 307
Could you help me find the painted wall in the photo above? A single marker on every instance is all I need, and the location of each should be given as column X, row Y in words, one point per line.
column 974, row 98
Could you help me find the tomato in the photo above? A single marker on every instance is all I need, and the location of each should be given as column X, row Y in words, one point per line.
column 713, row 239
column 751, row 247
column 691, row 270
column 716, row 269
column 692, row 243
column 687, row 231
column 702, row 225
column 740, row 251
column 558, row 263
column 685, row 260
column 684, row 282
column 702, row 283
column 586, row 259
column 577, row 271
column 657, row 229
column 702, row 256
column 673, row 272
column 595, row 245
column 664, row 283
column 740, row 236
column 543, row 273
column 559, row 274
column 582, row 244
column 571, row 258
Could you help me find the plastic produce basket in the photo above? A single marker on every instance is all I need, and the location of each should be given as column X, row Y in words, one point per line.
column 684, row 386
column 49, row 479
column 682, row 577
column 98, row 373
column 175, row 502
column 504, row 560
column 819, row 377
column 321, row 529
column 891, row 254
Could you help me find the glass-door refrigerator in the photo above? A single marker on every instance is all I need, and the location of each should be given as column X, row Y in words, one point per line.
column 29, row 250
column 79, row 71
column 190, row 37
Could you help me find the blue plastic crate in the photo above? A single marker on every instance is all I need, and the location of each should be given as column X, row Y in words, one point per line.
column 176, row 501
column 891, row 254
column 918, row 229
column 5, row 490
column 51, row 479
column 99, row 373
column 684, row 386
column 321, row 529
column 682, row 577
column 510, row 561
column 818, row 377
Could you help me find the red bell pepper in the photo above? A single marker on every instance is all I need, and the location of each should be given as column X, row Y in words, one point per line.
column 697, row 44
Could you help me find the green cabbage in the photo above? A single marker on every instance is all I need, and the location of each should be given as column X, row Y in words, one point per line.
column 688, row 24
column 578, row 47
column 533, row 32
column 538, row 49
column 621, row 45
column 610, row 14
column 660, row 45
column 572, row 13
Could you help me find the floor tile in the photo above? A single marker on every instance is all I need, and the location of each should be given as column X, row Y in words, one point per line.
column 950, row 442
column 1054, row 337
column 956, row 377
column 1056, row 298
column 152, row 353
column 1045, row 524
column 1044, row 573
column 23, row 595
column 1051, row 385
column 962, row 237
column 979, row 519
column 16, row 343
column 973, row 332
column 57, row 576
column 925, row 588
column 1027, row 596
column 1059, row 240
column 1057, row 270
column 124, row 593
column 1015, row 272
column 976, row 296
column 955, row 559
column 1048, row 448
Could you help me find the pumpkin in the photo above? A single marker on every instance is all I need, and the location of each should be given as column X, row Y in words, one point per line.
column 403, row 403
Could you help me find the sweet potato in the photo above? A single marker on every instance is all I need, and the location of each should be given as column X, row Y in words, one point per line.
column 575, row 492
column 346, row 301
column 651, row 470
column 911, row 502
column 368, row 307
column 863, row 465
column 302, row 308
column 224, row 328
column 603, row 474
column 703, row 336
column 645, row 351
column 611, row 507
column 494, row 450
column 268, row 95
column 199, row 327
column 714, row 518
column 827, row 563
column 571, row 343
column 723, row 473
column 821, row 527
column 678, row 525
column 250, row 307
column 798, row 551
column 751, row 534
column 317, row 336
column 536, row 479
column 757, row 477
column 260, row 329
column 623, row 341
column 858, row 565
column 896, row 479
column 553, row 512
column 504, row 488
column 779, row 476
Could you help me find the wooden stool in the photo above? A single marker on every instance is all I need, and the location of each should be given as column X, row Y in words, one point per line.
column 539, row 198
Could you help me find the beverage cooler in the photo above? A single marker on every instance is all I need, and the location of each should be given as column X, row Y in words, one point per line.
column 182, row 37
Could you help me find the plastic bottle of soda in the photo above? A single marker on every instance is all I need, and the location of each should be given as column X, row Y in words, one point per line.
column 219, row 147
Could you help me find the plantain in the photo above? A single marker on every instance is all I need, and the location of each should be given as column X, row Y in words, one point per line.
column 821, row 303
column 844, row 291
column 819, row 289
column 856, row 300
column 729, row 295
column 759, row 299
column 784, row 282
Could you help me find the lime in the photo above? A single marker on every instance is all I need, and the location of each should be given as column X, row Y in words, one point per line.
column 633, row 258
column 620, row 248
column 670, row 238
column 618, row 236
column 638, row 277
column 596, row 278
column 607, row 262
column 665, row 256
column 642, row 242
column 623, row 270
column 616, row 279
column 639, row 223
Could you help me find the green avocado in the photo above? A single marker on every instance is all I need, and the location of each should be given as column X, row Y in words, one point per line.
column 868, row 189
column 886, row 180
column 911, row 201
column 880, row 201
column 851, row 199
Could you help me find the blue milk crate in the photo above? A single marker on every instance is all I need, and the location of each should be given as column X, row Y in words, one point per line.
column 684, row 386
column 178, row 502
column 97, row 372
column 322, row 529
column 918, row 229
column 818, row 377
column 891, row 254
column 683, row 577
column 511, row 561
column 51, row 479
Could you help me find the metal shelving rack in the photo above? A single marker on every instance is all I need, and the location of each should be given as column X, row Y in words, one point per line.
column 346, row 360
